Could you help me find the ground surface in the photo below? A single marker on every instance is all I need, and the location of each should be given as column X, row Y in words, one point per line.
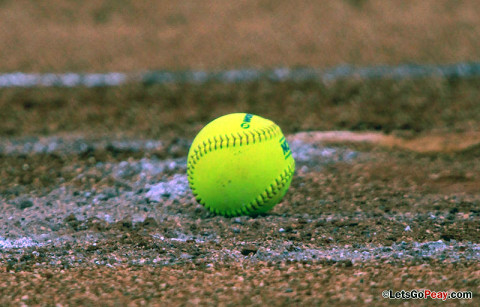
column 134, row 36
column 96, row 207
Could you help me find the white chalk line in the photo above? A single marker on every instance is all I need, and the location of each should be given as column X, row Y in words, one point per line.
column 71, row 79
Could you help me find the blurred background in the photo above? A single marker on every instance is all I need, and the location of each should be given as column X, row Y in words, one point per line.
column 133, row 36
column 138, row 36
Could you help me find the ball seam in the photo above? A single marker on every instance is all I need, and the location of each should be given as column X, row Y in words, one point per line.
column 277, row 184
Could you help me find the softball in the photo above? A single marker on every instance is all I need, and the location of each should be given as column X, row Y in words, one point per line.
column 240, row 164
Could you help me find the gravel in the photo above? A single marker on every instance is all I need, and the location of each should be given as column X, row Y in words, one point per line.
column 352, row 218
column 152, row 189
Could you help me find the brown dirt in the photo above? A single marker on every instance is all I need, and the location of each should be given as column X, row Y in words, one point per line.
column 365, row 203
column 288, row 284
column 405, row 108
column 425, row 143
column 144, row 35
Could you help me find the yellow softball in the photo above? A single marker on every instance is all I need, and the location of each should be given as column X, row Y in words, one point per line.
column 240, row 164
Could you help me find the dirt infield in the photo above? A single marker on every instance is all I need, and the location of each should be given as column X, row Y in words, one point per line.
column 238, row 284
column 100, row 36
column 357, row 220
column 178, row 111
column 96, row 207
